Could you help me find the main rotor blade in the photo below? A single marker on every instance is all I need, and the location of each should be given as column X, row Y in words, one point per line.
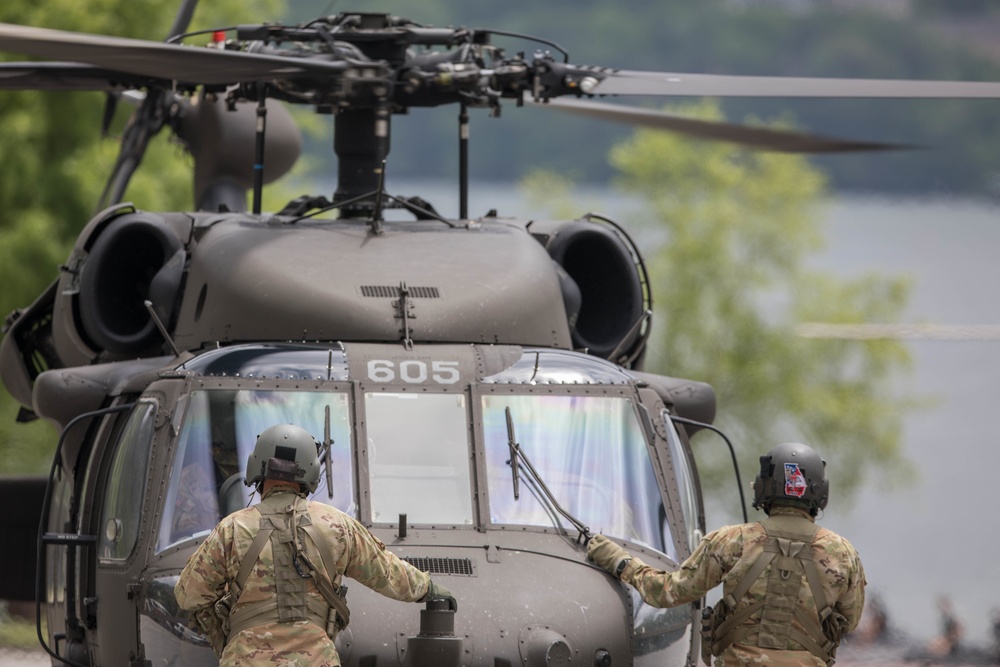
column 756, row 137
column 169, row 62
column 66, row 77
column 626, row 82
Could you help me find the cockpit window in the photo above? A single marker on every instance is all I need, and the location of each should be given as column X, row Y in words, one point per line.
column 126, row 485
column 218, row 433
column 419, row 457
column 685, row 484
column 591, row 454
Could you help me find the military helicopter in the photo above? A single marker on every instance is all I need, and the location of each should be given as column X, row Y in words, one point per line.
column 476, row 383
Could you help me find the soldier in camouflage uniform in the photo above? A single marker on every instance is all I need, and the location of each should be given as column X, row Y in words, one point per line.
column 791, row 589
column 265, row 585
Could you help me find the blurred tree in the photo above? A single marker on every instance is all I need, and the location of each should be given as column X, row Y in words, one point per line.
column 55, row 163
column 728, row 232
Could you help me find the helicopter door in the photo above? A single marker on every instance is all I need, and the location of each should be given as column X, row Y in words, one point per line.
column 118, row 567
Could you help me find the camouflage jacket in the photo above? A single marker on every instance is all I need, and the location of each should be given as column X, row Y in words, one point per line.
column 725, row 555
column 359, row 555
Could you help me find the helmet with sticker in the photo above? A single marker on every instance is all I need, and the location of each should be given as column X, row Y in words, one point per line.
column 791, row 474
column 284, row 452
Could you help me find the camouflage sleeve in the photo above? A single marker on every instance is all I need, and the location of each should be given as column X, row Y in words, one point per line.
column 203, row 579
column 700, row 573
column 371, row 564
column 852, row 600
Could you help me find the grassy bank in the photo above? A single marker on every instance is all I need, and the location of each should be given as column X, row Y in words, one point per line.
column 18, row 633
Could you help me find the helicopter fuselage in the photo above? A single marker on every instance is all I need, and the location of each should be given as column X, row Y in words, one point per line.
column 434, row 359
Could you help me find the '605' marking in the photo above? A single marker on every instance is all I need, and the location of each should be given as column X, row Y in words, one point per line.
column 413, row 371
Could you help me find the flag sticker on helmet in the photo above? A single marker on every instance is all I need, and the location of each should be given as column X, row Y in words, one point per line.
column 795, row 481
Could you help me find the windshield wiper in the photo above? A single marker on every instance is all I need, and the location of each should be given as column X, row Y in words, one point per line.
column 517, row 456
column 514, row 450
column 326, row 452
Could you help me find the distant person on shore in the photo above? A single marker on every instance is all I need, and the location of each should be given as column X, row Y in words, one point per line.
column 995, row 626
column 950, row 640
column 874, row 626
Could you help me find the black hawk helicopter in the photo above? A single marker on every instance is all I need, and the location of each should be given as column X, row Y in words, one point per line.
column 475, row 382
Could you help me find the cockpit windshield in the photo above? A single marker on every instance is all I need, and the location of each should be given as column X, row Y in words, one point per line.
column 591, row 454
column 219, row 431
column 425, row 453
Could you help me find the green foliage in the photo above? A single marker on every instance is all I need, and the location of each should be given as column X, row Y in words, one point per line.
column 18, row 632
column 730, row 283
column 55, row 164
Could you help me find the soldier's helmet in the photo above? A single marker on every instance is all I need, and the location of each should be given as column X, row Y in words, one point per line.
column 791, row 474
column 287, row 453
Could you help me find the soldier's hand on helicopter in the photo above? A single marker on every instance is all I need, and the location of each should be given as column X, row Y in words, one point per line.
column 439, row 592
column 607, row 554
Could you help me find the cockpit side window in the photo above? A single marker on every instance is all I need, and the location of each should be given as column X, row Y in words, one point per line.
column 590, row 452
column 126, row 485
column 683, row 469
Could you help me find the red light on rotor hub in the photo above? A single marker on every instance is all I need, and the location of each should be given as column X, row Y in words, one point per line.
column 219, row 36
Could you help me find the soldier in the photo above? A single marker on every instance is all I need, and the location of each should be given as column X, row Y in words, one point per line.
column 264, row 587
column 791, row 589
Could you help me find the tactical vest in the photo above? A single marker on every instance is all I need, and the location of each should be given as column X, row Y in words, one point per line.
column 789, row 551
column 292, row 569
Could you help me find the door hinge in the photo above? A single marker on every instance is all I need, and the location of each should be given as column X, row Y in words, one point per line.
column 132, row 590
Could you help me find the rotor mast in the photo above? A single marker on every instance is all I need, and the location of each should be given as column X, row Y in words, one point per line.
column 361, row 142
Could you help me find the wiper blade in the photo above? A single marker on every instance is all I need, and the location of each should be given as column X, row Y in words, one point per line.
column 514, row 451
column 326, row 452
column 516, row 458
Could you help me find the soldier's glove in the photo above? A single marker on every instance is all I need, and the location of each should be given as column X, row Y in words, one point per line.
column 608, row 555
column 439, row 592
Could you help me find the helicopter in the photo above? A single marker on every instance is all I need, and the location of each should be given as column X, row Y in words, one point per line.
column 476, row 383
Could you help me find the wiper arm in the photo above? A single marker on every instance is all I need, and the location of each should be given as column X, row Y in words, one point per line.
column 518, row 456
column 326, row 453
column 514, row 451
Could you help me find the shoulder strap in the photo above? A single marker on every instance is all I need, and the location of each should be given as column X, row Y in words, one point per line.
column 724, row 634
column 334, row 595
column 249, row 560
column 812, row 574
column 751, row 576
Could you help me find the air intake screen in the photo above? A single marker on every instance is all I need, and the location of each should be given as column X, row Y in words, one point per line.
column 392, row 292
column 461, row 566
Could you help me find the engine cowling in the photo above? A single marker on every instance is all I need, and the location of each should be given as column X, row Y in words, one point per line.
column 122, row 258
column 611, row 282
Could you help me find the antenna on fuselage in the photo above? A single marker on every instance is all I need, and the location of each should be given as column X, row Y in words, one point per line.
column 159, row 325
